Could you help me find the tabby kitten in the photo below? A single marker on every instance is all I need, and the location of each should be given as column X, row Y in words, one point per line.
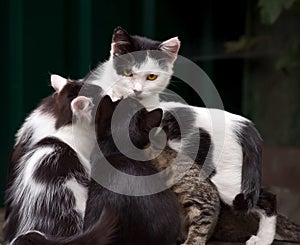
column 198, row 197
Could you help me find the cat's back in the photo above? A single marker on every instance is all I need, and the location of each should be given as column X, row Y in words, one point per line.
column 49, row 192
column 148, row 219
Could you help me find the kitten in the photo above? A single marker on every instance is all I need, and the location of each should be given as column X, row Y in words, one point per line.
column 198, row 198
column 143, row 219
column 236, row 157
column 49, row 191
column 145, row 80
column 42, row 122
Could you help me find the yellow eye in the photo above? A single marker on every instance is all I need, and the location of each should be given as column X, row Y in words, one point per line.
column 127, row 73
column 151, row 77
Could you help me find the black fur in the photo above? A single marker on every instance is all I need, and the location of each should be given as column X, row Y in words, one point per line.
column 266, row 202
column 183, row 118
column 100, row 234
column 126, row 45
column 70, row 91
column 151, row 219
column 251, row 143
column 58, row 209
column 66, row 163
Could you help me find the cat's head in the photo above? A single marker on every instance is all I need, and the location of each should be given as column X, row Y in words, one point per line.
column 143, row 66
column 72, row 99
column 130, row 112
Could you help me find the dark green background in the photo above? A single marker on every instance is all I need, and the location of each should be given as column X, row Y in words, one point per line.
column 69, row 37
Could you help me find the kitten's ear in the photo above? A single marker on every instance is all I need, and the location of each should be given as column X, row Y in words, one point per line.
column 58, row 82
column 171, row 46
column 106, row 107
column 153, row 118
column 121, row 40
column 82, row 107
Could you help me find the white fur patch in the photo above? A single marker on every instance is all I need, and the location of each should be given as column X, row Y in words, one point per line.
column 81, row 137
column 34, row 161
column 42, row 125
column 25, row 190
column 227, row 152
column 266, row 232
column 118, row 86
column 80, row 193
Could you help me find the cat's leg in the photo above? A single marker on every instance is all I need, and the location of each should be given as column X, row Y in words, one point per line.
column 201, row 222
column 202, row 211
column 266, row 208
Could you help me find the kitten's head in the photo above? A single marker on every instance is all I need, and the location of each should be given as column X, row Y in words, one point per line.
column 143, row 73
column 130, row 112
column 68, row 103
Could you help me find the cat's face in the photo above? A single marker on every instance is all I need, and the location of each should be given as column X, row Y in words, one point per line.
column 143, row 66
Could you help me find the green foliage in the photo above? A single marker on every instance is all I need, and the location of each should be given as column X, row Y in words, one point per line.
column 291, row 59
column 270, row 10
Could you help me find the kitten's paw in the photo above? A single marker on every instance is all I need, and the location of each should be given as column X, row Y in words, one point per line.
column 255, row 240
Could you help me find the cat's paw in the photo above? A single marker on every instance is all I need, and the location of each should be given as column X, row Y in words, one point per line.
column 255, row 240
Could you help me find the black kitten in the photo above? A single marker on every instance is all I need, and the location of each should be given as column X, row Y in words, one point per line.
column 149, row 219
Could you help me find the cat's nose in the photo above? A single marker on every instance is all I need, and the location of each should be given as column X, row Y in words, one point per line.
column 137, row 92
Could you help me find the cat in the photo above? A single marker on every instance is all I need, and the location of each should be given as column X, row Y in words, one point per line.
column 143, row 76
column 50, row 188
column 120, row 79
column 42, row 122
column 228, row 226
column 198, row 197
column 143, row 219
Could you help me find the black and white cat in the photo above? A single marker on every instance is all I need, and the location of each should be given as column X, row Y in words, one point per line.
column 42, row 122
column 236, row 155
column 48, row 185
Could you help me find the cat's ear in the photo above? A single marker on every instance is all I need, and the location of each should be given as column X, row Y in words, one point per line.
column 153, row 118
column 106, row 107
column 121, row 42
column 81, row 107
column 58, row 82
column 171, row 46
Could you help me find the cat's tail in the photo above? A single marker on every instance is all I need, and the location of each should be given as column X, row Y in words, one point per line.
column 102, row 233
column 286, row 230
column 251, row 143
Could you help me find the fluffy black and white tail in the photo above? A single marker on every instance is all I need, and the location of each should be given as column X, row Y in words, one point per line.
column 101, row 233
column 251, row 143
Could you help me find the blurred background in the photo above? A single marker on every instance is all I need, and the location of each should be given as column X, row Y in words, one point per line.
column 250, row 49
